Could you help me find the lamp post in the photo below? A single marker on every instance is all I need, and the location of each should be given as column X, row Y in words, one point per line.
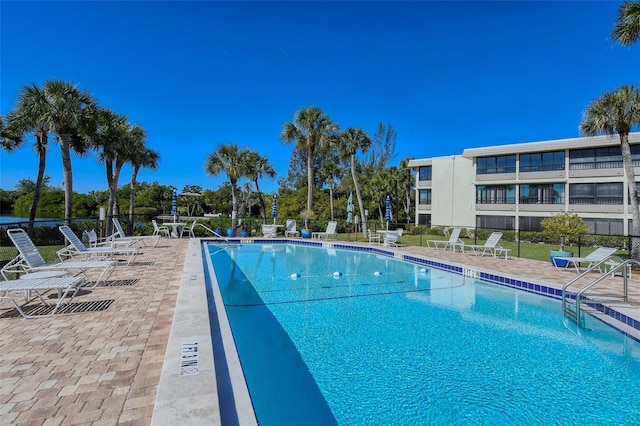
column 102, row 218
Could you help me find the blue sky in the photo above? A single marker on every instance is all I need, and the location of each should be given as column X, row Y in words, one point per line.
column 447, row 75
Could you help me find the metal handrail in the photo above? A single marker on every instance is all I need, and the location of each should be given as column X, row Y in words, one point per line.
column 621, row 264
column 214, row 232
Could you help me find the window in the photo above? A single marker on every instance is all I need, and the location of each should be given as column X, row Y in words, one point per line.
column 424, row 197
column 424, row 173
column 531, row 224
column 542, row 194
column 596, row 193
column 495, row 194
column 609, row 157
column 424, row 219
column 496, row 222
column 542, row 161
column 499, row 164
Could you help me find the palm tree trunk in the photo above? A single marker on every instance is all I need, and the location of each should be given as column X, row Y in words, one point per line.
column 633, row 194
column 36, row 193
column 331, row 198
column 310, row 180
column 132, row 193
column 262, row 204
column 234, row 206
column 110, row 212
column 116, row 201
column 65, row 151
column 363, row 217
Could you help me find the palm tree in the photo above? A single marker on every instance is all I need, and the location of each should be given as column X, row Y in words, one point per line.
column 67, row 112
column 618, row 112
column 311, row 128
column 110, row 138
column 348, row 144
column 26, row 118
column 139, row 156
column 228, row 158
column 627, row 28
column 259, row 166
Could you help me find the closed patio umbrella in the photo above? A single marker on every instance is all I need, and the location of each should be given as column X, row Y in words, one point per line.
column 350, row 208
column 387, row 211
column 174, row 204
column 274, row 208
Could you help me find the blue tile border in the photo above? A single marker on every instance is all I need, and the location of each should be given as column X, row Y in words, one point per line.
column 535, row 288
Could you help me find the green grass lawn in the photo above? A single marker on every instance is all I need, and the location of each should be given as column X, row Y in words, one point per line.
column 525, row 250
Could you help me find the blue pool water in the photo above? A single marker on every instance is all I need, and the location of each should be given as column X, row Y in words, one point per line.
column 342, row 337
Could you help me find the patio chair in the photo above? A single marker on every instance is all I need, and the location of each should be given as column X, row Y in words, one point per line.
column 63, row 285
column 374, row 237
column 453, row 241
column 77, row 247
column 399, row 231
column 29, row 260
column 189, row 230
column 391, row 238
column 157, row 229
column 290, row 229
column 120, row 235
column 269, row 231
column 598, row 255
column 489, row 246
column 330, row 232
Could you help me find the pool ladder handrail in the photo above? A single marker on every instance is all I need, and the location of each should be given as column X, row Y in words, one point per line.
column 214, row 232
column 621, row 264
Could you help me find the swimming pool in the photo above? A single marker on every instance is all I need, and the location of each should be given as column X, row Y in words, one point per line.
column 334, row 336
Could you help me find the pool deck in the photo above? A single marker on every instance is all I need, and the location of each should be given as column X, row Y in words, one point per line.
column 103, row 364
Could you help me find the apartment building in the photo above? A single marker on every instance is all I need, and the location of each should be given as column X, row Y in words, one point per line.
column 515, row 186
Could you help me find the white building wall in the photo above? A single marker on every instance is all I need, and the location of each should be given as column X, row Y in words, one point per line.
column 453, row 193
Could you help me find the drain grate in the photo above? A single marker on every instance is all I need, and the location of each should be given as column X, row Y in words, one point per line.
column 143, row 263
column 118, row 283
column 69, row 308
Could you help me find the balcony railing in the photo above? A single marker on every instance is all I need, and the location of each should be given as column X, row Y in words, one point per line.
column 500, row 200
column 600, row 201
column 543, row 200
column 541, row 167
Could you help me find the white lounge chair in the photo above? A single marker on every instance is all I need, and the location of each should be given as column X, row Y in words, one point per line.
column 598, row 255
column 160, row 229
column 452, row 243
column 290, row 229
column 489, row 246
column 63, row 285
column 330, row 232
column 77, row 247
column 189, row 230
column 269, row 231
column 120, row 235
column 29, row 260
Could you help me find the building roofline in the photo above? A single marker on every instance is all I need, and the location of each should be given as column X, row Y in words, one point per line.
column 551, row 145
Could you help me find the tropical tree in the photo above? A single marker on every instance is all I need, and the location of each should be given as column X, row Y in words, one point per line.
column 26, row 118
column 109, row 139
column 139, row 156
column 626, row 31
column 348, row 143
column 233, row 161
column 259, row 166
column 64, row 110
column 310, row 129
column 618, row 112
